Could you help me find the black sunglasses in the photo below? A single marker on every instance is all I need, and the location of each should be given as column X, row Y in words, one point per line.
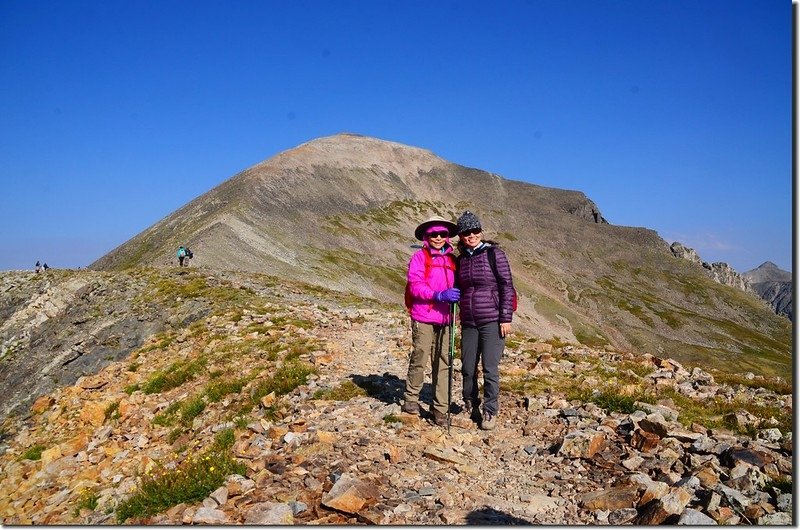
column 473, row 232
column 438, row 234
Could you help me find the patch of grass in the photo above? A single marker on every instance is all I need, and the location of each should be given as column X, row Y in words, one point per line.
column 783, row 484
column 191, row 409
column 174, row 376
column 344, row 392
column 88, row 499
column 298, row 348
column 774, row 384
column 225, row 439
column 130, row 389
column 712, row 412
column 267, row 347
column 159, row 342
column 174, row 434
column 288, row 377
column 283, row 321
column 390, row 418
column 133, row 367
column 216, row 390
column 112, row 411
column 615, row 402
column 33, row 453
column 190, row 482
column 168, row 416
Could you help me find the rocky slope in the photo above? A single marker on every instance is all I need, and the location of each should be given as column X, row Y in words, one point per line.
column 340, row 211
column 773, row 285
column 720, row 272
column 767, row 281
column 294, row 392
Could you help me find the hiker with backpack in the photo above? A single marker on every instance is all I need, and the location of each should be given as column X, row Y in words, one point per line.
column 487, row 303
column 181, row 255
column 429, row 294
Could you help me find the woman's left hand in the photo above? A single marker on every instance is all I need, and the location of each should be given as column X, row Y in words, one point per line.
column 505, row 329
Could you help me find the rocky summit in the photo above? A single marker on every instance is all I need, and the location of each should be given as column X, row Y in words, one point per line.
column 251, row 399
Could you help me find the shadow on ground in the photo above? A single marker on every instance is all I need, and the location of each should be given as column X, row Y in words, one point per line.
column 490, row 516
column 387, row 388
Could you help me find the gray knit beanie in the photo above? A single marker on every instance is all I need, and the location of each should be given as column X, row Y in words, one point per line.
column 467, row 222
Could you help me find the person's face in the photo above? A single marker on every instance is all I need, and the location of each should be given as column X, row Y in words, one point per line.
column 437, row 239
column 471, row 238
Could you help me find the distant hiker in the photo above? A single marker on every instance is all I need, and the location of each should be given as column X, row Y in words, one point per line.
column 181, row 255
column 189, row 253
column 429, row 293
column 38, row 266
column 487, row 305
column 45, row 267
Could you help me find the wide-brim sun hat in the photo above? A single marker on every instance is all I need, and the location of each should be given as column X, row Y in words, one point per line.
column 419, row 232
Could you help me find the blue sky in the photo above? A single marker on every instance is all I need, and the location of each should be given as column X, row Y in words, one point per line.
column 674, row 115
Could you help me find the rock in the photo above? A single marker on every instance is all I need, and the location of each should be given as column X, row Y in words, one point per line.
column 736, row 498
column 668, row 413
column 622, row 516
column 656, row 424
column 742, row 419
column 779, row 519
column 349, row 494
column 708, row 477
column 784, row 502
column 541, row 503
column 644, row 441
column 42, row 404
column 749, row 456
column 51, row 454
column 93, row 413
column 770, row 435
column 654, row 491
column 444, row 455
column 220, row 495
column 611, row 499
column 691, row 517
column 668, row 506
column 582, row 444
column 633, row 462
column 207, row 515
column 270, row 513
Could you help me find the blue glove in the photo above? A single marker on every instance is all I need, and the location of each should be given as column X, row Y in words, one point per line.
column 449, row 295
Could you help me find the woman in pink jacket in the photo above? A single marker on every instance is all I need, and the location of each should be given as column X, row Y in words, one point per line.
column 431, row 276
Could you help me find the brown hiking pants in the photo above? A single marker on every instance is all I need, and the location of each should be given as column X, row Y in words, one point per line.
column 430, row 348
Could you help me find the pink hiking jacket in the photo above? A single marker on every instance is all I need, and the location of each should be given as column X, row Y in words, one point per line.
column 440, row 276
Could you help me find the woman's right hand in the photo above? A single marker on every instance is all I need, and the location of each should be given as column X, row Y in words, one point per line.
column 448, row 295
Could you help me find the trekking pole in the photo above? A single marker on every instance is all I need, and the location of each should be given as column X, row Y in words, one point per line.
column 450, row 355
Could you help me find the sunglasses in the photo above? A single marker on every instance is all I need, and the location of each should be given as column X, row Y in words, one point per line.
column 473, row 232
column 438, row 234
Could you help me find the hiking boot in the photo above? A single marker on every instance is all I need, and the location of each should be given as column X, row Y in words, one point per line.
column 410, row 407
column 440, row 418
column 471, row 411
column 488, row 422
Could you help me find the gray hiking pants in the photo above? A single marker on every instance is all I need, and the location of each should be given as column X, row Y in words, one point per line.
column 485, row 345
column 430, row 348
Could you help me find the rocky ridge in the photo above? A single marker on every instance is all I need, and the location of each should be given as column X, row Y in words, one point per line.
column 720, row 272
column 337, row 450
column 773, row 285
column 767, row 281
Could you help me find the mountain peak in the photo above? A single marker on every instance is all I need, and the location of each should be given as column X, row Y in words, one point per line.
column 351, row 149
column 768, row 272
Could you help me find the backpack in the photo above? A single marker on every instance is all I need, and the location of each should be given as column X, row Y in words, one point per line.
column 493, row 265
column 428, row 264
column 189, row 254
column 181, row 252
